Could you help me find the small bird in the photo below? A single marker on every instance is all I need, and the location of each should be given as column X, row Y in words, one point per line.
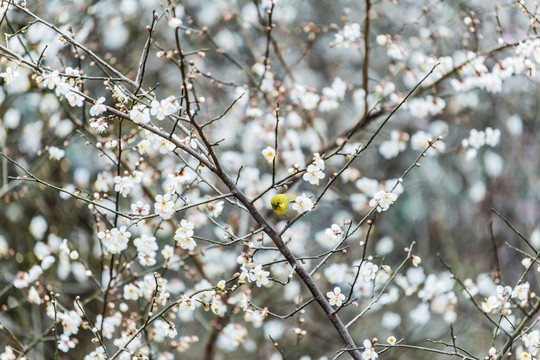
column 282, row 206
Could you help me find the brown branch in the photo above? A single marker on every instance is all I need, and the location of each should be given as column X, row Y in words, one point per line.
column 365, row 65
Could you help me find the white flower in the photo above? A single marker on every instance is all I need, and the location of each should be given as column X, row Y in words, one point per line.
column 215, row 209
column 98, row 107
column 21, row 280
column 350, row 34
column 74, row 98
column 369, row 351
column 131, row 292
column 493, row 136
column 9, row 75
column 164, row 206
column 232, row 336
column 335, row 297
column 49, row 80
column 174, row 22
column 56, row 153
column 302, row 204
column 163, row 145
column 65, row 343
column 123, row 185
column 369, row 270
column 367, row 186
column 183, row 235
column 167, row 252
column 140, row 114
column 334, row 233
column 115, row 240
column 259, row 275
column 269, row 154
column 382, row 200
column 389, row 149
column 521, row 291
column 99, row 125
column 8, row 354
column 313, row 174
column 490, row 304
column 310, row 100
column 140, row 208
column 477, row 139
column 419, row 141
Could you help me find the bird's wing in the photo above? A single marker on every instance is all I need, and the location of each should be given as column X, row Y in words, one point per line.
column 290, row 197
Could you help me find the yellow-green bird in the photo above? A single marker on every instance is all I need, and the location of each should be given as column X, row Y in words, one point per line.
column 282, row 206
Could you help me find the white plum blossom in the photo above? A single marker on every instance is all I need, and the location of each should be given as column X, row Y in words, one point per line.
column 99, row 125
column 313, row 174
column 74, row 98
column 367, row 186
column 174, row 22
column 369, row 351
column 215, row 208
column 302, row 204
column 115, row 240
column 123, row 185
column 335, row 297
column 98, row 107
column 350, row 34
column 56, row 153
column 521, row 291
column 164, row 206
column 184, row 235
column 334, row 233
column 382, row 200
column 259, row 275
column 477, row 139
column 369, row 271
column 65, row 343
column 269, row 154
column 146, row 249
column 231, row 336
column 140, row 208
column 490, row 304
column 131, row 292
column 391, row 148
column 140, row 114
column 9, row 75
column 310, row 100
column 492, row 137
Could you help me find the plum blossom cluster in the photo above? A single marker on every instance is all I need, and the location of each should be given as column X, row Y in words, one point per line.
column 65, row 85
column 424, row 107
column 479, row 138
column 115, row 240
column 124, row 184
column 184, row 235
column 398, row 143
column 350, row 35
column 251, row 271
column 435, row 292
column 501, row 301
column 310, row 100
